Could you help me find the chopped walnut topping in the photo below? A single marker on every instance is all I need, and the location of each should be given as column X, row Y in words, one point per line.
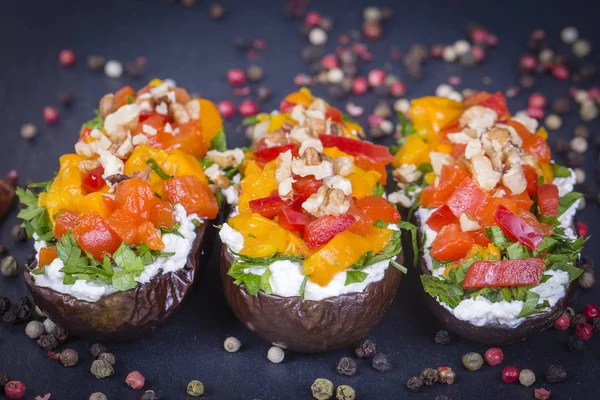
column 401, row 198
column 83, row 149
column 125, row 149
column 193, row 109
column 179, row 113
column 138, row 140
column 142, row 175
column 338, row 182
column 459, row 137
column 227, row 158
column 514, row 136
column 87, row 165
column 438, row 160
column 284, row 166
column 116, row 178
column 277, row 138
column 514, row 179
column 122, row 120
column 299, row 134
column 473, row 149
column 327, row 202
column 311, row 156
column 311, row 143
column 145, row 102
column 316, row 126
column 484, row 173
column 106, row 105
column 285, row 188
column 407, row 173
column 343, row 166
column 478, row 118
column 214, row 174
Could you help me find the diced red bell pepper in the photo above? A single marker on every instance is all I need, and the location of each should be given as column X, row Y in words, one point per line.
column 293, row 220
column 548, row 199
column 378, row 208
column 468, row 197
column 306, row 184
column 363, row 223
column 93, row 181
column 450, row 178
column 268, row 207
column 517, row 229
column 85, row 133
column 334, row 114
column 480, row 238
column 532, row 143
column 496, row 102
column 458, row 150
column 64, row 222
column 504, row 273
column 159, row 119
column 441, row 217
column 485, row 214
column 375, row 152
column 531, row 177
column 286, row 107
column 320, row 231
column 135, row 197
column 475, row 98
column 451, row 243
column 266, row 154
column 368, row 165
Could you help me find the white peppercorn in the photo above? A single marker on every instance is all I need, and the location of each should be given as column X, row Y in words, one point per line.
column 275, row 355
column 569, row 35
column 553, row 122
column 317, row 36
column 232, row 344
column 28, row 131
column 9, row 266
column 449, row 54
column 579, row 144
column 581, row 48
column 113, row 69
column 526, row 377
column 579, row 175
column 50, row 326
column 402, row 105
column 34, row 329
column 462, row 47
column 98, row 396
column 588, row 111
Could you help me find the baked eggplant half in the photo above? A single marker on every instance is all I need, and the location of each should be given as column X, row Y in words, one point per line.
column 499, row 253
column 119, row 231
column 311, row 256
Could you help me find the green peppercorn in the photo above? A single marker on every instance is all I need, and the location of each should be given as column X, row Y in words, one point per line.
column 98, row 396
column 101, row 369
column 472, row 361
column 322, row 389
column 526, row 377
column 345, row 392
column 9, row 266
column 195, row 388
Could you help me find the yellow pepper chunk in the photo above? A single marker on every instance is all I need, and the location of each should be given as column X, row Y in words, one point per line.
column 430, row 178
column 547, row 172
column 93, row 202
column 363, row 182
column 155, row 82
column 432, row 114
column 180, row 163
column 543, row 133
column 210, row 120
column 334, row 152
column 276, row 121
column 302, row 96
column 66, row 188
column 257, row 183
column 415, row 151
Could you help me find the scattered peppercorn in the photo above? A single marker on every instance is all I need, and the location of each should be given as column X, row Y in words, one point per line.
column 562, row 323
column 217, row 11
column 96, row 349
column 47, row 342
column 134, row 68
column 472, row 361
column 10, row 318
column 346, row 366
column 61, row 335
column 263, row 93
column 34, row 329
column 322, row 389
column 526, row 377
column 442, row 337
column 9, row 266
column 232, row 344
column 15, row 390
column 578, row 319
column 108, row 357
column 447, row 375
column 98, row 396
column 254, row 73
column 591, row 311
column 345, row 392
column 584, row 331
column 576, row 343
column 69, row 357
column 510, row 374
column 414, row 384
column 429, row 376
column 65, row 98
column 4, row 304
column 150, row 395
column 28, row 131
column 135, row 380
column 113, row 69
column 4, row 379
column 248, row 108
column 275, row 355
column 587, row 279
column 556, row 373
column 381, row 362
column 596, row 323
column 101, row 369
column 96, row 63
column 541, row 394
column 50, row 327
column 195, row 388
column 366, row 349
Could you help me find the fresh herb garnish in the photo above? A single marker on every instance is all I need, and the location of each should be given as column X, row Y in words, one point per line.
column 425, row 168
column 303, row 286
column 379, row 190
column 173, row 231
column 35, row 218
column 530, row 304
column 219, row 141
column 158, row 170
column 565, row 202
column 407, row 226
column 94, row 123
column 448, row 292
column 250, row 121
column 560, row 172
column 355, row 277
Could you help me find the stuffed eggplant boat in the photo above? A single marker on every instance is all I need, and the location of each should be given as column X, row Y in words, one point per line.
column 500, row 256
column 119, row 230
column 311, row 254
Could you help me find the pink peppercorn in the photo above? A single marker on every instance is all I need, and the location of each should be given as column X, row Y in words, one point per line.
column 535, row 112
column 66, row 57
column 236, row 77
column 562, row 323
column 492, row 40
column 510, row 374
column 594, row 92
column 135, row 380
column 248, row 108
column 376, row 77
column 397, row 89
column 541, row 394
column 528, row 62
column 241, row 91
column 437, row 51
column 479, row 35
column 360, row 85
column 259, row 44
column 329, row 61
column 537, row 100
column 478, row 53
column 375, row 120
column 313, row 18
column 14, row 390
column 226, row 109
column 538, row 34
column 344, row 39
column 560, row 72
column 454, row 80
column 584, row 331
column 582, row 229
column 50, row 115
column 372, row 31
column 493, row 356
column 591, row 311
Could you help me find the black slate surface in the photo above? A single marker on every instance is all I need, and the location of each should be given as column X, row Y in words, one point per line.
column 186, row 45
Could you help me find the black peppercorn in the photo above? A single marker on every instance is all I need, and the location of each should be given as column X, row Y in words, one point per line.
column 346, row 366
column 311, row 54
column 241, row 44
column 574, row 159
column 414, row 384
column 596, row 323
column 134, row 69
column 442, row 337
column 556, row 373
column 366, row 349
column 66, row 99
column 336, row 92
column 217, row 11
column 47, row 342
column 4, row 304
column 61, row 335
column 381, row 362
column 109, row 357
column 23, row 313
column 4, row 379
column 578, row 319
column 9, row 318
column 96, row 349
column 429, row 376
column 576, row 343
column 561, row 145
column 18, row 233
column 561, row 105
column 150, row 395
column 442, row 397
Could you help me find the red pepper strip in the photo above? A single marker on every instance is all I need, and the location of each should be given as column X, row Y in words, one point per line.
column 517, row 229
column 320, row 231
column 293, row 220
column 267, row 154
column 548, row 199
column 334, row 114
column 305, row 187
column 85, row 133
column 496, row 102
column 355, row 147
column 93, row 181
column 467, row 197
column 268, row 207
column 504, row 273
column 441, row 217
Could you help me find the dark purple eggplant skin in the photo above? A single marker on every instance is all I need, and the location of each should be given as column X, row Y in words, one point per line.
column 308, row 326
column 495, row 334
column 123, row 315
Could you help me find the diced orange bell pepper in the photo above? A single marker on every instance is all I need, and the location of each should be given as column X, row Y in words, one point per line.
column 181, row 95
column 210, row 120
column 451, row 243
column 431, row 114
column 47, row 255
column 366, row 164
column 135, row 197
column 161, row 214
column 450, row 178
column 262, row 237
column 414, row 151
column 190, row 139
column 548, row 199
column 468, row 197
column 532, row 143
column 122, row 97
column 93, row 202
column 379, row 208
column 95, row 236
column 65, row 221
column 194, row 196
column 257, row 183
column 363, row 182
column 125, row 225
column 147, row 233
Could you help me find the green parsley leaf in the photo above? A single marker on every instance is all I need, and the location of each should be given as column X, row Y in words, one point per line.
column 380, row 224
column 221, row 199
column 250, row 120
column 347, row 118
column 379, row 190
column 219, row 141
column 516, row 251
column 230, row 172
column 158, row 170
column 406, row 126
column 565, row 202
column 94, row 123
column 197, row 223
column 35, row 218
column 303, row 286
column 560, row 172
column 206, row 162
column 448, row 292
column 407, row 226
column 495, row 234
column 530, row 304
column 573, row 271
column 123, row 281
column 398, row 266
column 69, row 253
column 126, row 259
column 355, row 276
column 173, row 231
column 457, row 275
column 265, row 285
column 425, row 168
column 130, row 99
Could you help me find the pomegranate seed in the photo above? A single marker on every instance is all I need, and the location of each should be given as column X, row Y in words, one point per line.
column 535, row 112
column 478, row 53
column 376, row 77
column 492, row 40
column 584, row 331
column 562, row 323
column 397, row 89
column 360, row 85
column 528, row 61
column 591, row 311
column 479, row 35
column 66, row 57
column 537, row 100
column 454, row 80
column 560, row 72
column 510, row 374
column 372, row 31
column 493, row 356
column 313, row 19
column 51, row 115
column 242, row 92
column 375, row 120
column 14, row 390
column 226, row 109
column 236, row 77
column 538, row 34
column 248, row 108
column 582, row 229
column 329, row 61
column 135, row 380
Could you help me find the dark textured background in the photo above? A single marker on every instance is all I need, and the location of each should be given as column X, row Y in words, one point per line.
column 186, row 45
